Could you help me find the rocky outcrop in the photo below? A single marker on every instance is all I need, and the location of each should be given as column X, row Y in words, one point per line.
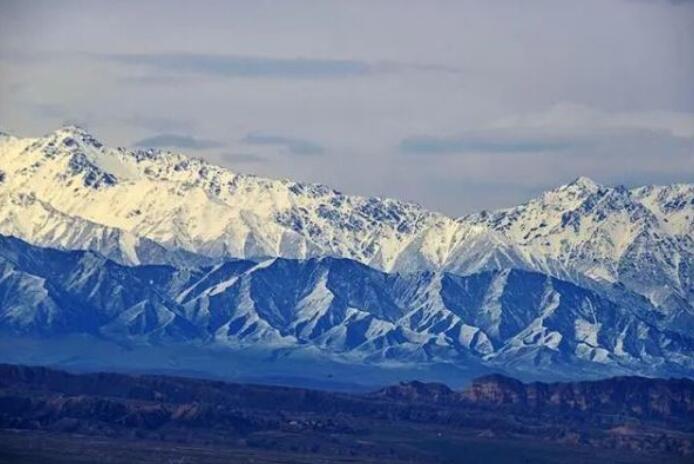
column 638, row 414
column 628, row 396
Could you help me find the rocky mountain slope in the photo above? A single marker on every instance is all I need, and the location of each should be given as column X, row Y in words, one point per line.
column 509, row 319
column 67, row 190
column 587, row 276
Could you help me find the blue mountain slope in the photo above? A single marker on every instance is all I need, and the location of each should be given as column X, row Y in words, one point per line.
column 506, row 319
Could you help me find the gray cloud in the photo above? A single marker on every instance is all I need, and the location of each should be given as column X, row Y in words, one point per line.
column 177, row 141
column 293, row 145
column 51, row 110
column 490, row 141
column 676, row 2
column 261, row 67
column 245, row 66
column 571, row 130
column 632, row 156
column 163, row 124
column 244, row 158
column 673, row 2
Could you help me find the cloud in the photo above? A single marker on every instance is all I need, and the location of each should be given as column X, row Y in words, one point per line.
column 263, row 67
column 177, row 141
column 164, row 124
column 51, row 110
column 571, row 116
column 565, row 128
column 293, row 145
column 244, row 158
column 490, row 141
column 674, row 2
column 246, row 66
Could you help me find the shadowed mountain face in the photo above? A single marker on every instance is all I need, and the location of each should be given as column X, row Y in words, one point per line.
column 584, row 281
column 68, row 190
column 640, row 419
column 509, row 319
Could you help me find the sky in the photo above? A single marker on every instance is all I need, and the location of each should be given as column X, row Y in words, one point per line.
column 457, row 105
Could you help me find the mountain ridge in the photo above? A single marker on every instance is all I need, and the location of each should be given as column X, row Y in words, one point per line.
column 509, row 319
column 153, row 206
column 649, row 420
column 631, row 250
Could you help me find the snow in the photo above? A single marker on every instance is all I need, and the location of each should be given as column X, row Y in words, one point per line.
column 587, row 332
column 67, row 190
column 344, row 309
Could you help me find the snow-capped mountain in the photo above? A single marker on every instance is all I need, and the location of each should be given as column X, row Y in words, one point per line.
column 66, row 190
column 509, row 319
column 188, row 204
column 641, row 238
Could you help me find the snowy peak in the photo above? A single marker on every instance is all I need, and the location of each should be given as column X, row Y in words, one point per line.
column 74, row 134
column 571, row 194
column 131, row 205
column 580, row 187
column 599, row 232
column 70, row 152
column 673, row 205
column 67, row 141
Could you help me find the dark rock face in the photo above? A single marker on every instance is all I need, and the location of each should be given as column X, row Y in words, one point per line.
column 631, row 396
column 418, row 391
column 497, row 390
column 652, row 416
column 638, row 397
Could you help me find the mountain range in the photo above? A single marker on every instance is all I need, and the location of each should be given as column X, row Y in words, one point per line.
column 153, row 247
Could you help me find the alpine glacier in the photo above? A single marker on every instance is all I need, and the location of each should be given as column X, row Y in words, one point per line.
column 629, row 253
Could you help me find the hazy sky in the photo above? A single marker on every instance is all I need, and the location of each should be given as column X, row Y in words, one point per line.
column 459, row 105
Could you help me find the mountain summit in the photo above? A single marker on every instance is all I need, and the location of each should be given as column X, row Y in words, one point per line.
column 147, row 200
column 631, row 247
